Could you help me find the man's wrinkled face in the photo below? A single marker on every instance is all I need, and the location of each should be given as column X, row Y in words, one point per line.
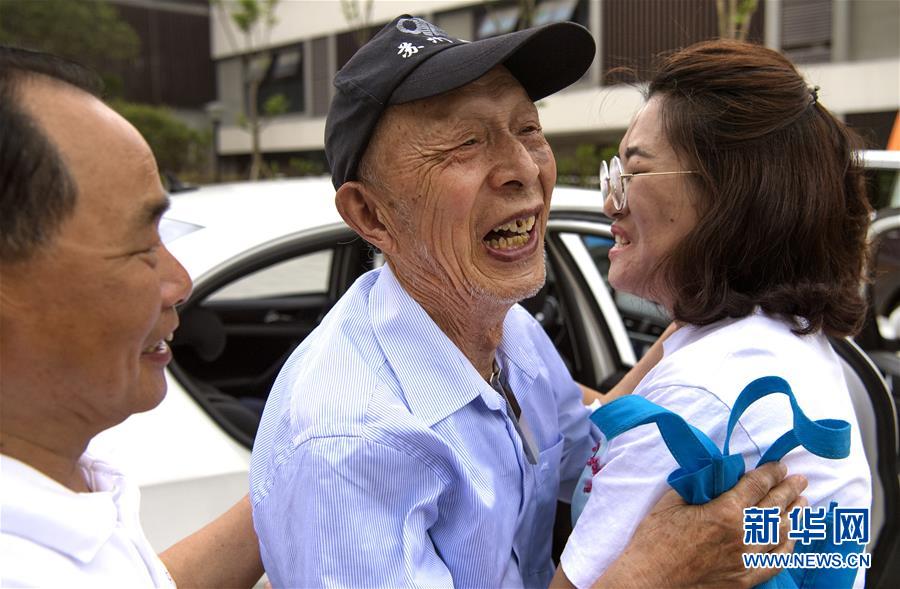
column 94, row 307
column 468, row 177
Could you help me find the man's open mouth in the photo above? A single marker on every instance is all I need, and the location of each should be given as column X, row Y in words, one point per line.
column 511, row 235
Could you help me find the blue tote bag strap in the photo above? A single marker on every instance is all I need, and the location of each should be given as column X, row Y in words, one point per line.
column 828, row 438
column 704, row 472
column 691, row 448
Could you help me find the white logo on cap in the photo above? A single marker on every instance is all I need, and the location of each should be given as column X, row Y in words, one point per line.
column 407, row 49
column 417, row 26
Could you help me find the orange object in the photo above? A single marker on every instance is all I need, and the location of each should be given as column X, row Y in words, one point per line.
column 894, row 140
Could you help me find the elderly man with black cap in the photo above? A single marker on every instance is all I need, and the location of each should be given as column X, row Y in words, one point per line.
column 422, row 434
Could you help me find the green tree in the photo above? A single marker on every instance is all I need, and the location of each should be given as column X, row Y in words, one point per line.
column 87, row 31
column 734, row 17
column 580, row 167
column 306, row 166
column 91, row 32
column 358, row 14
column 254, row 20
column 177, row 146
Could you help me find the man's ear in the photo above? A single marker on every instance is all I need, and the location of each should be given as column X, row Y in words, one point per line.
column 362, row 211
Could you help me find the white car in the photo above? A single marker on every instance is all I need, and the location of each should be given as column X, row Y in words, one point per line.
column 268, row 260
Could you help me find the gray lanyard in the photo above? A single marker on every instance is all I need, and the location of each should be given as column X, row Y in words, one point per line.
column 514, row 411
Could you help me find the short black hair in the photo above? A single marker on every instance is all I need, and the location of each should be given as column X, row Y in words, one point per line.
column 37, row 193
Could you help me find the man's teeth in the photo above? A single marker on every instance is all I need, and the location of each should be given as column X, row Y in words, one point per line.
column 518, row 227
column 621, row 240
column 508, row 242
column 522, row 226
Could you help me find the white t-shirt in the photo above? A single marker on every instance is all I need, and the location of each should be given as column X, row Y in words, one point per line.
column 702, row 372
column 51, row 536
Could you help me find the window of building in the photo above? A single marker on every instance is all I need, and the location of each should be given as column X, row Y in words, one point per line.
column 349, row 42
column 635, row 32
column 806, row 30
column 284, row 76
column 497, row 21
column 551, row 11
column 457, row 23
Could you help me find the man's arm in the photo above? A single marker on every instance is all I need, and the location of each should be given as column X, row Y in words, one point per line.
column 225, row 553
column 680, row 545
column 346, row 511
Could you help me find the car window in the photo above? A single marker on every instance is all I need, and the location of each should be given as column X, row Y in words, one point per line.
column 242, row 323
column 306, row 274
column 884, row 188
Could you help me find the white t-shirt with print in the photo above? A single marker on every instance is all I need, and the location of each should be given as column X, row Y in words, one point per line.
column 700, row 376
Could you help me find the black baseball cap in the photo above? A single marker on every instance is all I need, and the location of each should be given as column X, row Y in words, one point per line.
column 410, row 59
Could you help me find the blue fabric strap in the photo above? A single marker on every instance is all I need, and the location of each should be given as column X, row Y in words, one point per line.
column 829, row 438
column 691, row 448
column 705, row 472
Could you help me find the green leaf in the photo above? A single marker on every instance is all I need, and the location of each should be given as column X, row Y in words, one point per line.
column 176, row 145
column 275, row 105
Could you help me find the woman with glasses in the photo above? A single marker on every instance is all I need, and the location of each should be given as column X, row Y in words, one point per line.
column 738, row 207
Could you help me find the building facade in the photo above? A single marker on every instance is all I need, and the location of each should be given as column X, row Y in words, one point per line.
column 849, row 48
column 173, row 67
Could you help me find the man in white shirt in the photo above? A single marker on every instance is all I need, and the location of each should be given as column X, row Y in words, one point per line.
column 87, row 304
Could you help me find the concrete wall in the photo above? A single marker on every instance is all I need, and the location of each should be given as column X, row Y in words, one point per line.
column 230, row 89
column 874, row 29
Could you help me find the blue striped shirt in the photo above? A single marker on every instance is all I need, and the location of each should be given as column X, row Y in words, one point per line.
column 384, row 459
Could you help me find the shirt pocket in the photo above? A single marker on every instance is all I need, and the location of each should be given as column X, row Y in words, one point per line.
column 538, row 566
column 546, row 471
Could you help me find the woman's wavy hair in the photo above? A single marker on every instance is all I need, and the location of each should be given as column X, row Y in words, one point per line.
column 782, row 208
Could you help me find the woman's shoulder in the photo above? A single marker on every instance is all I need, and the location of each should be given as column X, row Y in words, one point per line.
column 724, row 357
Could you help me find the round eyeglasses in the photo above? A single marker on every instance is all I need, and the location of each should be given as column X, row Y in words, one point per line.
column 613, row 177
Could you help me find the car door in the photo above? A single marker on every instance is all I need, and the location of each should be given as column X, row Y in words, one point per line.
column 613, row 328
column 245, row 319
column 880, row 336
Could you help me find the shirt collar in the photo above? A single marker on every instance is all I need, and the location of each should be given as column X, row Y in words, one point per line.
column 37, row 508
column 436, row 377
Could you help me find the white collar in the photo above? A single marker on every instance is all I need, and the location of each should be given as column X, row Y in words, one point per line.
column 36, row 507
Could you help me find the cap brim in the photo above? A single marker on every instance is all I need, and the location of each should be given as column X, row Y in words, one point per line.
column 544, row 60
